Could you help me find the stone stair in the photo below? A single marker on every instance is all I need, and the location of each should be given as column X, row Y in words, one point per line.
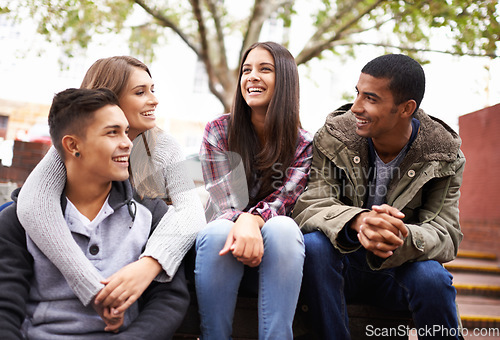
column 476, row 276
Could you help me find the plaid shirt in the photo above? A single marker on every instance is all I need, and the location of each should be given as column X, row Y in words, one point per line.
column 225, row 178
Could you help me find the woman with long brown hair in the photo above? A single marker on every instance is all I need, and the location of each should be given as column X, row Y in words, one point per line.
column 250, row 232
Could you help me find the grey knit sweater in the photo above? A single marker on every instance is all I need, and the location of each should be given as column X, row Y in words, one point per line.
column 41, row 215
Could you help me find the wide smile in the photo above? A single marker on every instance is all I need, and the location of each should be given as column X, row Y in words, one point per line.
column 121, row 160
column 150, row 113
column 255, row 90
column 361, row 121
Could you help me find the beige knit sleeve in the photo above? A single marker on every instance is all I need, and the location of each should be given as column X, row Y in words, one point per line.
column 39, row 211
column 177, row 230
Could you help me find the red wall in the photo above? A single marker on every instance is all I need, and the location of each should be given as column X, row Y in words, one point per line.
column 480, row 200
column 26, row 156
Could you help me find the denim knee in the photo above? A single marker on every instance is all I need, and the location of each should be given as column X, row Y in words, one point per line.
column 319, row 247
column 214, row 235
column 429, row 276
column 282, row 229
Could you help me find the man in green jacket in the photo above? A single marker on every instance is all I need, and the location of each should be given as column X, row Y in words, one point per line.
column 380, row 213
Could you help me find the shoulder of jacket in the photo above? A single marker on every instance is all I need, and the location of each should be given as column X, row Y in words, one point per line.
column 436, row 141
column 11, row 227
column 339, row 131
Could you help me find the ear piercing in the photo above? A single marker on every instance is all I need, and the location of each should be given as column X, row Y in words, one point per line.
column 77, row 154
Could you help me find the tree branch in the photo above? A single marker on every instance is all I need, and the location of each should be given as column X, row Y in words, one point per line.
column 166, row 22
column 377, row 25
column 314, row 48
column 204, row 53
column 414, row 49
column 221, row 67
column 262, row 10
column 287, row 23
column 212, row 7
column 330, row 22
column 254, row 27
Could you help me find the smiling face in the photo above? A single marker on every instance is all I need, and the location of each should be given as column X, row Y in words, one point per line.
column 257, row 80
column 377, row 116
column 105, row 147
column 138, row 102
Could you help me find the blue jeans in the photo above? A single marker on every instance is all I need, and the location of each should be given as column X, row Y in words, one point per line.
column 332, row 279
column 277, row 281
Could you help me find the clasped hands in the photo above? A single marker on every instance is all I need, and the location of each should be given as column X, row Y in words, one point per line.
column 122, row 289
column 380, row 230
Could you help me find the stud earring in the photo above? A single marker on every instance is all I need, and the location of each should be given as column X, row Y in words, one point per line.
column 77, row 154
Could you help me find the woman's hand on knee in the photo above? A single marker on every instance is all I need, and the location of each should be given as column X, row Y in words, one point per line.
column 245, row 240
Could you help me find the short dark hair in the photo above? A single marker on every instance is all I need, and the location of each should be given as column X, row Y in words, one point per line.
column 72, row 111
column 407, row 78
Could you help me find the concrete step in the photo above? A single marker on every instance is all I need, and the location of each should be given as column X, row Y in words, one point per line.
column 471, row 254
column 473, row 265
column 477, row 284
column 478, row 290
column 476, row 276
column 479, row 312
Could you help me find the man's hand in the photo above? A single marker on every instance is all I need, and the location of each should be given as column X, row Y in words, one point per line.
column 112, row 320
column 245, row 240
column 385, row 208
column 125, row 286
column 381, row 230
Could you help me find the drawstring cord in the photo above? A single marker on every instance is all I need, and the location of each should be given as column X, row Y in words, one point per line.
column 132, row 210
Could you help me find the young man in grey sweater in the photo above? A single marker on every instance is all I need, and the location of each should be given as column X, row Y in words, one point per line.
column 89, row 131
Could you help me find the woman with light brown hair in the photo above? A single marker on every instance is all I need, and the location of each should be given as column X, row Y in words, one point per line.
column 156, row 170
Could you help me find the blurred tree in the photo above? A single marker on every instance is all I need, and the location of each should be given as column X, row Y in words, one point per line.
column 206, row 26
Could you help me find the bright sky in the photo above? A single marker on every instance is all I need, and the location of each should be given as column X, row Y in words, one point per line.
column 30, row 71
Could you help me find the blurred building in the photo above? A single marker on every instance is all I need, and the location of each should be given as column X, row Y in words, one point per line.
column 479, row 201
column 23, row 121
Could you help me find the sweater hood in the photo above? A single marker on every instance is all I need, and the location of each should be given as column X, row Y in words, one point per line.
column 435, row 141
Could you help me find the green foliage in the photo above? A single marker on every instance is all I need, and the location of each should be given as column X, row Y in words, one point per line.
column 205, row 26
column 348, row 97
column 73, row 24
column 472, row 25
column 143, row 38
